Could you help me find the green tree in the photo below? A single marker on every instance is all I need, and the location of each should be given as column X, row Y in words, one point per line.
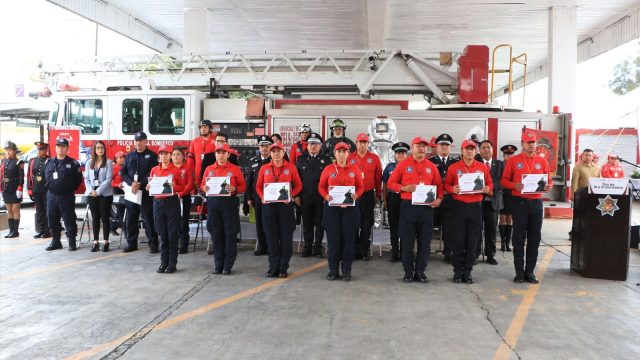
column 626, row 76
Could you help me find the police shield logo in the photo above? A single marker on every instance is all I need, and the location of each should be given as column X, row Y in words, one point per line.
column 267, row 172
column 409, row 169
column 538, row 166
column 519, row 165
column 428, row 171
column 333, row 175
column 286, row 172
column 369, row 161
column 210, row 173
column 352, row 162
column 351, row 174
column 459, row 172
column 229, row 174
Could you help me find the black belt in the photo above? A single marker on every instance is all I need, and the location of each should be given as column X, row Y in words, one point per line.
column 473, row 204
column 166, row 198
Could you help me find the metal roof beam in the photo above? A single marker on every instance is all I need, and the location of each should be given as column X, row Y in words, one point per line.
column 121, row 22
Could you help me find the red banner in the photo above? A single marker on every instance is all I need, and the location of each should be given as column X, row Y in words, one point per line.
column 71, row 133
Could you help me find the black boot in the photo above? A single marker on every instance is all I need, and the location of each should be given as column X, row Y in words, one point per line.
column 10, row 223
column 508, row 231
column 55, row 245
column 503, row 242
column 13, row 228
column 72, row 245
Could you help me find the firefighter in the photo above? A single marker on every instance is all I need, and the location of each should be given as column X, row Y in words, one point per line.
column 416, row 221
column 391, row 199
column 201, row 146
column 255, row 164
column 466, row 210
column 62, row 177
column 506, row 221
column 299, row 147
column 278, row 217
column 135, row 173
column 12, row 178
column 186, row 172
column 527, row 208
column 166, row 210
column 491, row 204
column 223, row 210
column 97, row 181
column 338, row 128
column 371, row 171
column 310, row 167
column 612, row 168
column 443, row 160
column 37, row 191
column 341, row 222
column 116, row 184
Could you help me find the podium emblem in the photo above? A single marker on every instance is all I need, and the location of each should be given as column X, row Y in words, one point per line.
column 608, row 206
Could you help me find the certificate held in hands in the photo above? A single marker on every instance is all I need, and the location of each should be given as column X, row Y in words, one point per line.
column 423, row 195
column 218, row 186
column 161, row 185
column 471, row 183
column 534, row 183
column 277, row 192
column 341, row 195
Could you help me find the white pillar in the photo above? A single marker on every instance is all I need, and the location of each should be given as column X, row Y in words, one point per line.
column 563, row 58
column 196, row 30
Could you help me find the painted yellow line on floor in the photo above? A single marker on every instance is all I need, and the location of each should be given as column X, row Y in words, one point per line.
column 48, row 269
column 12, row 248
column 201, row 310
column 520, row 317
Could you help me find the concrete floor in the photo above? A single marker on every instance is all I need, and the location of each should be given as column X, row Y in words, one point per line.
column 95, row 305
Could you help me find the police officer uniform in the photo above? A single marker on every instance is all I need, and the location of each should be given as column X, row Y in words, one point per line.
column 137, row 166
column 310, row 168
column 527, row 210
column 441, row 214
column 505, row 230
column 38, row 192
column 11, row 180
column 392, row 201
column 491, row 205
column 250, row 194
column 330, row 144
column 62, row 178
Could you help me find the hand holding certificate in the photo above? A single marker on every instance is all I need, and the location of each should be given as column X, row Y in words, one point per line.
column 277, row 192
column 342, row 195
column 160, row 185
column 218, row 186
column 471, row 183
column 423, row 195
column 534, row 183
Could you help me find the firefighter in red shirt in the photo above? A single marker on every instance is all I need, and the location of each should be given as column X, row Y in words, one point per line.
column 299, row 147
column 340, row 221
column 166, row 210
column 612, row 168
column 526, row 207
column 416, row 220
column 116, row 183
column 222, row 209
column 186, row 172
column 466, row 206
column 371, row 172
column 202, row 145
column 277, row 216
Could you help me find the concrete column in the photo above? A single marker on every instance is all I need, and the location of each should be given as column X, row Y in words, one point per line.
column 563, row 58
column 196, row 30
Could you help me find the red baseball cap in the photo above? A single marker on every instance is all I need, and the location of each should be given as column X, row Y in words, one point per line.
column 276, row 146
column 362, row 137
column 468, row 143
column 119, row 154
column 341, row 145
column 419, row 140
column 224, row 147
column 165, row 148
column 529, row 136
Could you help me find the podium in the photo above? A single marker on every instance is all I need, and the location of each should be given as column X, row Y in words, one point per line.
column 601, row 232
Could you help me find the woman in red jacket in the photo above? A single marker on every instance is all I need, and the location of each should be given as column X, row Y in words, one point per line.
column 277, row 216
column 341, row 222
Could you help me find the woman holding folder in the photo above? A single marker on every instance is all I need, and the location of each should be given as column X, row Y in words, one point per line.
column 278, row 184
column 341, row 218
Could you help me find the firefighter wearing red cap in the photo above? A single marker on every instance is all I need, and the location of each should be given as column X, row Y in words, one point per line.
column 179, row 160
column 116, row 183
column 340, row 221
column 166, row 210
column 416, row 221
column 371, row 171
column 466, row 210
column 277, row 217
column 37, row 190
column 222, row 209
column 527, row 209
column 612, row 168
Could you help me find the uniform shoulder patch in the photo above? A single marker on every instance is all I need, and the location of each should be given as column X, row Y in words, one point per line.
column 409, row 169
column 267, row 172
column 333, row 175
column 352, row 174
column 369, row 160
column 286, row 171
column 428, row 170
column 538, row 166
column 519, row 165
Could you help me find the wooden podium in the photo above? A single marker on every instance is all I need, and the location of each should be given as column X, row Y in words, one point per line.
column 600, row 239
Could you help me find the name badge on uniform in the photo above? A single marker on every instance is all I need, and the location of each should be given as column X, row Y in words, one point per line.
column 96, row 183
column 135, row 177
column 55, row 175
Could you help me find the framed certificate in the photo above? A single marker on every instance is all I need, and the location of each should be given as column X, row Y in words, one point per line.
column 161, row 185
column 277, row 192
column 424, row 195
column 471, row 183
column 534, row 183
column 218, row 186
column 341, row 195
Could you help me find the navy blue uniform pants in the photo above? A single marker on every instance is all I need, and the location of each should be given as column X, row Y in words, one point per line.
column 166, row 217
column 416, row 226
column 527, row 224
column 279, row 223
column 312, row 224
column 184, row 224
column 262, row 237
column 221, row 215
column 363, row 235
column 466, row 232
column 341, row 225
column 133, row 214
column 40, row 201
column 393, row 210
column 490, row 224
column 62, row 206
